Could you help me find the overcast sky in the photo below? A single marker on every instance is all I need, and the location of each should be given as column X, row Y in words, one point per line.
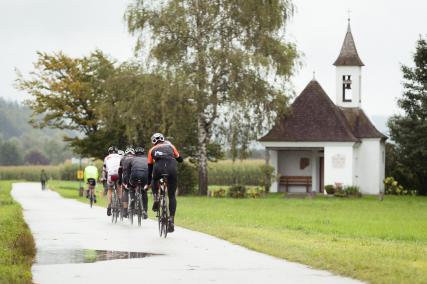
column 385, row 32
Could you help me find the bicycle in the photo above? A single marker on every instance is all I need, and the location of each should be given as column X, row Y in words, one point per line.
column 138, row 201
column 162, row 212
column 116, row 208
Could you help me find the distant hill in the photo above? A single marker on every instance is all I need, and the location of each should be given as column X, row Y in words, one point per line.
column 15, row 128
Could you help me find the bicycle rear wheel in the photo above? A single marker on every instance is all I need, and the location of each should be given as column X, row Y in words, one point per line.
column 130, row 209
column 139, row 209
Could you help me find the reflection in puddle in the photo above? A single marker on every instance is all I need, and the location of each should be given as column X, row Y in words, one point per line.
column 62, row 256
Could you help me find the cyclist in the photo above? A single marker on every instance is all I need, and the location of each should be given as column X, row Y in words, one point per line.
column 91, row 176
column 138, row 171
column 111, row 168
column 124, row 176
column 162, row 159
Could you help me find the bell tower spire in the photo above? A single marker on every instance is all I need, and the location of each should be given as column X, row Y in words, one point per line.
column 349, row 73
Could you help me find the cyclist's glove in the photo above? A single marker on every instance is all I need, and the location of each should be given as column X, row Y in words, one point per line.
column 179, row 159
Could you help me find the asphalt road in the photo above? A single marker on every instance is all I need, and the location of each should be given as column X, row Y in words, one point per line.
column 68, row 232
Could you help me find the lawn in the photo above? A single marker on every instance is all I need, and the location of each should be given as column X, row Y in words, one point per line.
column 17, row 248
column 379, row 242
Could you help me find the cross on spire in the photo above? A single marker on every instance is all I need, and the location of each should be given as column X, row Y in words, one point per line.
column 349, row 15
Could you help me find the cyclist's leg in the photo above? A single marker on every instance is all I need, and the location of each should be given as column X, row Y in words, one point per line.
column 110, row 185
column 172, row 179
column 125, row 199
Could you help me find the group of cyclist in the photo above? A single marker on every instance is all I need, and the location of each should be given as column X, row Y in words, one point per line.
column 132, row 167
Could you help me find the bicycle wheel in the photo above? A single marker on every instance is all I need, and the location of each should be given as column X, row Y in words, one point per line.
column 91, row 197
column 139, row 210
column 113, row 204
column 130, row 209
column 165, row 217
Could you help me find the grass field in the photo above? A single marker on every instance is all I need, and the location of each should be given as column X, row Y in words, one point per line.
column 379, row 242
column 17, row 248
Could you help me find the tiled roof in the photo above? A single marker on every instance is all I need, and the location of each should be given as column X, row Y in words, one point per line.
column 360, row 124
column 348, row 55
column 313, row 117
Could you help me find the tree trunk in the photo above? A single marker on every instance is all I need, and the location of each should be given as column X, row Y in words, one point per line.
column 203, row 157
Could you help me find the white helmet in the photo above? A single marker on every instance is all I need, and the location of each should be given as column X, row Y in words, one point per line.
column 121, row 153
column 129, row 150
column 157, row 137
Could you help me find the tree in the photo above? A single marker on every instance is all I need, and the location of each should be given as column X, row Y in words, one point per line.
column 35, row 157
column 67, row 92
column 232, row 57
column 10, row 154
column 409, row 130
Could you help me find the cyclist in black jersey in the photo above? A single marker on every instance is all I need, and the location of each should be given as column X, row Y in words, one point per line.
column 162, row 159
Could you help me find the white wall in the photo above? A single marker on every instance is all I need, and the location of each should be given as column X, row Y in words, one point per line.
column 339, row 164
column 356, row 77
column 371, row 166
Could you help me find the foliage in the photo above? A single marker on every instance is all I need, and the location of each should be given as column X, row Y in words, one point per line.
column 409, row 130
column 237, row 191
column 32, row 173
column 256, row 192
column 219, row 192
column 269, row 176
column 330, row 189
column 10, row 154
column 228, row 53
column 394, row 188
column 187, row 178
column 17, row 248
column 36, row 158
column 352, row 191
column 246, row 172
column 66, row 94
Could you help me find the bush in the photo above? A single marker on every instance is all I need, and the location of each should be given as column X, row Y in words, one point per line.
column 256, row 192
column 268, row 176
column 352, row 191
column 330, row 189
column 237, row 191
column 218, row 193
column 187, row 178
column 392, row 187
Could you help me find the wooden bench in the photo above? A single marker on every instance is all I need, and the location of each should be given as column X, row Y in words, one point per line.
column 296, row 181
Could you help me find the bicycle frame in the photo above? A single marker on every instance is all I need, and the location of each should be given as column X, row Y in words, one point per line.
column 163, row 212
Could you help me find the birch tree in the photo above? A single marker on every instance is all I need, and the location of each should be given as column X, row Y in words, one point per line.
column 232, row 55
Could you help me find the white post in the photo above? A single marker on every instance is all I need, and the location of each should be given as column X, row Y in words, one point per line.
column 314, row 171
column 273, row 160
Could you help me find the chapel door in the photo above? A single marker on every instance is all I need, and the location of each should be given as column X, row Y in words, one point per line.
column 321, row 174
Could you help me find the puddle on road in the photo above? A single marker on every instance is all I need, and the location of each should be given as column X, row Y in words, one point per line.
column 64, row 256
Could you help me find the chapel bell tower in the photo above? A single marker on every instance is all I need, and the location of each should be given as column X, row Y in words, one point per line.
column 348, row 73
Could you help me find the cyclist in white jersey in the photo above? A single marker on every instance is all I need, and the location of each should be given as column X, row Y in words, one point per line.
column 111, row 168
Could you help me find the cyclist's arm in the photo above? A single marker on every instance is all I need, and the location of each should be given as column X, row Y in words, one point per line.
column 176, row 154
column 150, row 163
column 121, row 172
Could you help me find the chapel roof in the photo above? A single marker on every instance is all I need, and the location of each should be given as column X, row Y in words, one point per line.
column 348, row 55
column 314, row 117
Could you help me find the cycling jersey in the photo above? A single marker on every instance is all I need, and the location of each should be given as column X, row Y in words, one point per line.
column 112, row 164
column 163, row 150
column 124, row 165
column 90, row 172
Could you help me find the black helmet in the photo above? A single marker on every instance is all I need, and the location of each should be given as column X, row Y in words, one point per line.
column 157, row 137
column 113, row 149
column 139, row 150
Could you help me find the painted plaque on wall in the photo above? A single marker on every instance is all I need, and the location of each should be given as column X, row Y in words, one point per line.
column 338, row 161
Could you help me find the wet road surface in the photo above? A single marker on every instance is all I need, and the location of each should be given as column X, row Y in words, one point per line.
column 77, row 244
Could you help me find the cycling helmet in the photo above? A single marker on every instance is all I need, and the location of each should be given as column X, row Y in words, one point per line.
column 112, row 149
column 121, row 152
column 129, row 150
column 139, row 150
column 157, row 137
